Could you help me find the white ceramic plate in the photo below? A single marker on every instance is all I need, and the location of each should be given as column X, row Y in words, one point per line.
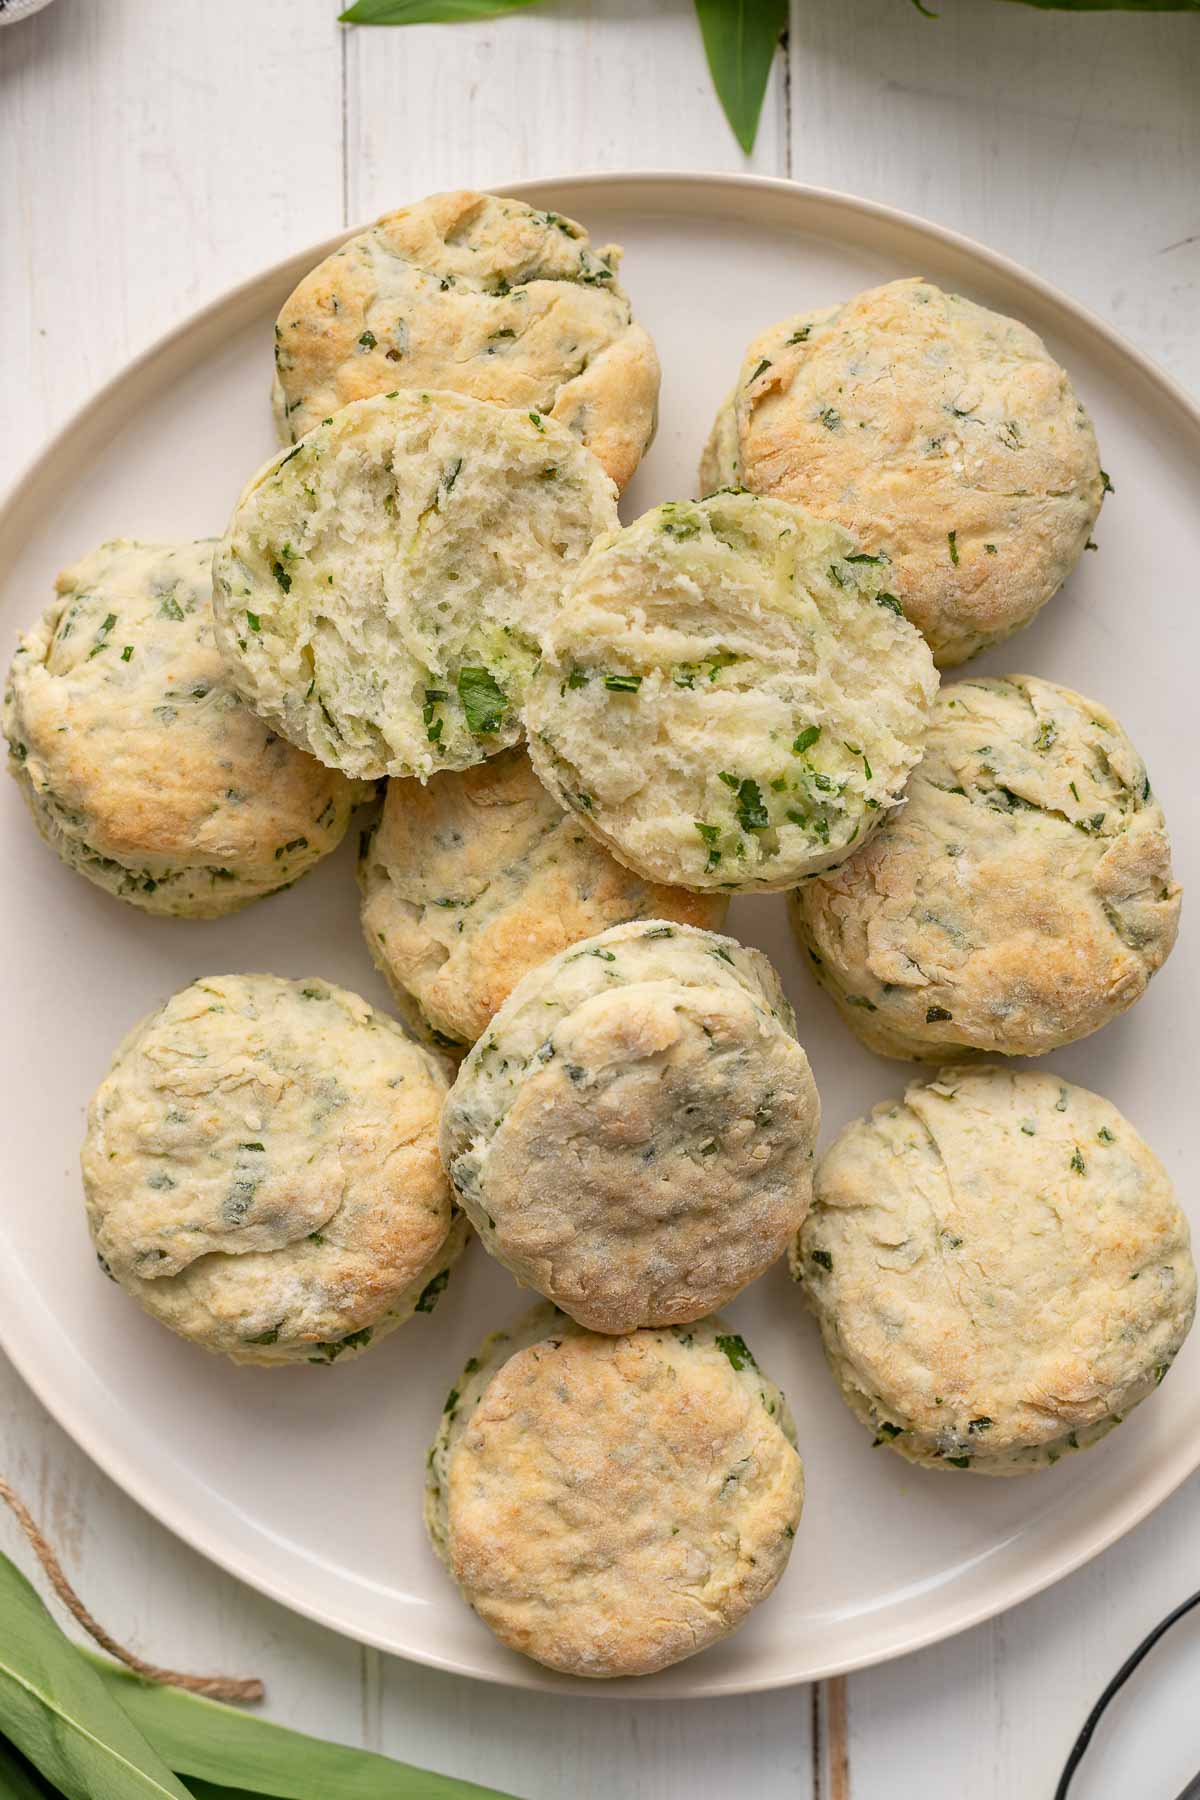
column 307, row 1482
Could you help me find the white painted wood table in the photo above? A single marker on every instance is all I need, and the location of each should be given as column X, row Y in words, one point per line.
column 154, row 151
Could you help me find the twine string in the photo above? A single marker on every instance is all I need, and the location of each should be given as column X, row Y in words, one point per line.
column 213, row 1687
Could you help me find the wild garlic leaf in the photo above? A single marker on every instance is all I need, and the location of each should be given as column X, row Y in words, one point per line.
column 19, row 1780
column 219, row 1745
column 427, row 12
column 740, row 41
column 60, row 1715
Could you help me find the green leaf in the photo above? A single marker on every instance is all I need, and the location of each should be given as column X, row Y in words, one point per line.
column 740, row 41
column 209, row 1790
column 483, row 700
column 19, row 1780
column 427, row 12
column 218, row 1745
column 59, row 1713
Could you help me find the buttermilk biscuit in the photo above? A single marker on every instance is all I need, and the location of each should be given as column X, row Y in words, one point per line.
column 943, row 435
column 382, row 589
column 999, row 1269
column 470, row 881
column 1019, row 899
column 728, row 696
column 609, row 1506
column 261, row 1170
column 634, row 1135
column 484, row 296
column 141, row 765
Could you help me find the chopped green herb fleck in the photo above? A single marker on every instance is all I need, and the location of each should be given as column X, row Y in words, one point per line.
column 751, row 808
column 432, row 1292
column 736, row 1349
column 952, row 540
column 711, row 835
column 483, row 700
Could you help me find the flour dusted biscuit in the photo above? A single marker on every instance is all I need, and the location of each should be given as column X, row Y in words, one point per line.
column 728, row 696
column 999, row 1268
column 261, row 1170
column 472, row 880
column 141, row 765
column 942, row 434
column 383, row 587
column 482, row 295
column 611, row 1505
column 1019, row 899
column 633, row 1136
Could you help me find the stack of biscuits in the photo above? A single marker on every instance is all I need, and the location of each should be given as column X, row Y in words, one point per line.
column 592, row 736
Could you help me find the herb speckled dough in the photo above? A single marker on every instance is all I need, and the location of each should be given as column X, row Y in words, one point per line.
column 728, row 695
column 609, row 1506
column 261, row 1170
column 473, row 879
column 382, row 590
column 1019, row 899
column 141, row 765
column 999, row 1268
column 481, row 295
column 633, row 1137
column 943, row 435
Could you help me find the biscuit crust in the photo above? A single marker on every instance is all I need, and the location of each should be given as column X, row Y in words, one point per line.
column 261, row 1170
column 383, row 587
column 942, row 434
column 482, row 295
column 139, row 761
column 728, row 696
column 999, row 1268
column 470, row 881
column 1019, row 899
column 633, row 1137
column 609, row 1506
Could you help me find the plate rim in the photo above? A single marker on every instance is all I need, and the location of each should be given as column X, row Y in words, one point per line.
column 187, row 1520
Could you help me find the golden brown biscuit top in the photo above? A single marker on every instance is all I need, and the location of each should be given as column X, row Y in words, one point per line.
column 617, row 1504
column 472, row 879
column 484, row 295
